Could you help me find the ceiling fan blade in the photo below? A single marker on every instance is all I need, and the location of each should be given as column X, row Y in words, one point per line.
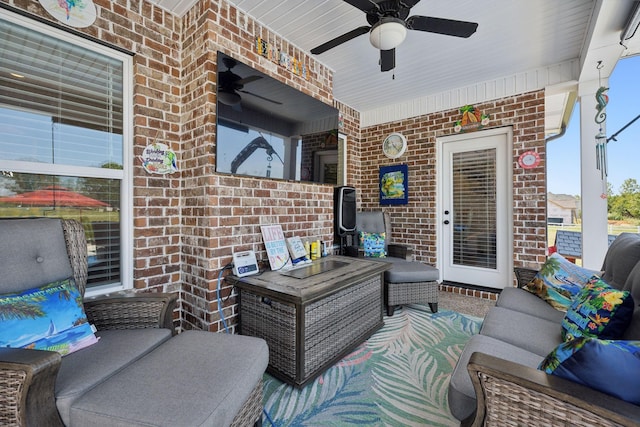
column 340, row 39
column 448, row 27
column 409, row 3
column 387, row 59
column 261, row 97
column 248, row 80
column 363, row 5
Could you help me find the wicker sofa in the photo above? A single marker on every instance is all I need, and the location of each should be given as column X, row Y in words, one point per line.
column 496, row 380
column 139, row 372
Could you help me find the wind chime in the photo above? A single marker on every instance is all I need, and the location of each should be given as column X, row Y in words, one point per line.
column 269, row 160
column 601, row 139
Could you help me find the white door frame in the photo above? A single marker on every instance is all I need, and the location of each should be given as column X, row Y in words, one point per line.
column 507, row 269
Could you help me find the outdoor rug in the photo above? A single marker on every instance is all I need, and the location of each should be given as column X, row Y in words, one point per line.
column 399, row 377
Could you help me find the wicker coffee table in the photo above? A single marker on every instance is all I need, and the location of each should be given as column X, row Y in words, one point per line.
column 312, row 322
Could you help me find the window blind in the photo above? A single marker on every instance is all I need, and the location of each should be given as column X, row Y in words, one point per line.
column 474, row 208
column 73, row 96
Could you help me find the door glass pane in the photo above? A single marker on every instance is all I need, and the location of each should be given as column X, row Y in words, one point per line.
column 474, row 208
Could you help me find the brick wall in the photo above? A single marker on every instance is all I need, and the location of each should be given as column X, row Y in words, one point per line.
column 222, row 214
column 415, row 223
column 187, row 225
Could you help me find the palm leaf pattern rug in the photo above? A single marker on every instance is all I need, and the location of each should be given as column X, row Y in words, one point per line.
column 398, row 377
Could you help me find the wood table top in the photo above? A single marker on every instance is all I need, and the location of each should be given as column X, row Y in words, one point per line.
column 340, row 272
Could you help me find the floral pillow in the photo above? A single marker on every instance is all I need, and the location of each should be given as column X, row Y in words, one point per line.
column 608, row 366
column 598, row 311
column 558, row 281
column 373, row 244
column 51, row 318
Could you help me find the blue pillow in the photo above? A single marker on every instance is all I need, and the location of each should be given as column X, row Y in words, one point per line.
column 611, row 367
column 373, row 244
column 598, row 311
column 51, row 318
column 558, row 281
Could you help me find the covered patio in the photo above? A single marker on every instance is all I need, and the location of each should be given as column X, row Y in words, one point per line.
column 137, row 99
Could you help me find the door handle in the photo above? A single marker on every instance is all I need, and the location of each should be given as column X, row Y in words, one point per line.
column 446, row 221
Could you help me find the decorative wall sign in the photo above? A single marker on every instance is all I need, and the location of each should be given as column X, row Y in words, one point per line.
column 158, row 158
column 281, row 58
column 529, row 160
column 276, row 246
column 472, row 119
column 74, row 13
column 394, row 185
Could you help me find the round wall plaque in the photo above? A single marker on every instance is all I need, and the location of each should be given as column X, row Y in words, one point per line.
column 78, row 13
column 529, row 159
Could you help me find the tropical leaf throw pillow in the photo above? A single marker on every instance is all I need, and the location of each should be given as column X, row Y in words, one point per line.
column 598, row 311
column 558, row 281
column 611, row 367
column 373, row 244
column 51, row 318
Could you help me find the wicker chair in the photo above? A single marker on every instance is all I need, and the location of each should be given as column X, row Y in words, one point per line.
column 510, row 394
column 408, row 281
column 28, row 377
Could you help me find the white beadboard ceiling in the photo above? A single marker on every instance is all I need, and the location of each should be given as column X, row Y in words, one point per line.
column 520, row 45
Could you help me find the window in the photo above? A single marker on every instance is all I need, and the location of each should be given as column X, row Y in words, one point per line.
column 63, row 139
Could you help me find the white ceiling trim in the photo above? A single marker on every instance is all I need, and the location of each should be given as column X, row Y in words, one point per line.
column 489, row 90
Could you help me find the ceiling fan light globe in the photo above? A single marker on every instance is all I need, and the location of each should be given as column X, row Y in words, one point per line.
column 228, row 98
column 388, row 33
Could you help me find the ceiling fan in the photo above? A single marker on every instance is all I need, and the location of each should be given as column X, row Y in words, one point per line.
column 389, row 21
column 231, row 84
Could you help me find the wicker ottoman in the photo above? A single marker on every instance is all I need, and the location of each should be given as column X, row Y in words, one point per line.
column 410, row 282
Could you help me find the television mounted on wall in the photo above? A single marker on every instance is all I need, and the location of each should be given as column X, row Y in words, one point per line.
column 268, row 129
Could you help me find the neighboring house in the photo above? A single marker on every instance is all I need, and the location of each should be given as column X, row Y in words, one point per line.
column 562, row 208
column 569, row 244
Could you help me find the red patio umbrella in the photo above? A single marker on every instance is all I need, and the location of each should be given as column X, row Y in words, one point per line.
column 53, row 195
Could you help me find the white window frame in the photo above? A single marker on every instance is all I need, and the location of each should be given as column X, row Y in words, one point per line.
column 125, row 175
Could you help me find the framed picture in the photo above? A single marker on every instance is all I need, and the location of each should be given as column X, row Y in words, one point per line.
column 394, row 185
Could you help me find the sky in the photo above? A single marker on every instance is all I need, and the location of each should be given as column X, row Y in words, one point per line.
column 563, row 154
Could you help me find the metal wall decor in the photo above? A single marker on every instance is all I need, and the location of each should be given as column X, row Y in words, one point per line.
column 601, row 138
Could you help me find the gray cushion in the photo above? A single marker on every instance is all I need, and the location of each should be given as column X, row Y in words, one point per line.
column 633, row 286
column 197, row 378
column 404, row 271
column 530, row 333
column 34, row 253
column 525, row 302
column 84, row 369
column 633, row 330
column 622, row 256
column 461, row 395
column 371, row 222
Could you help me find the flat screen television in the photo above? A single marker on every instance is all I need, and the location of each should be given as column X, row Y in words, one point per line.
column 268, row 129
